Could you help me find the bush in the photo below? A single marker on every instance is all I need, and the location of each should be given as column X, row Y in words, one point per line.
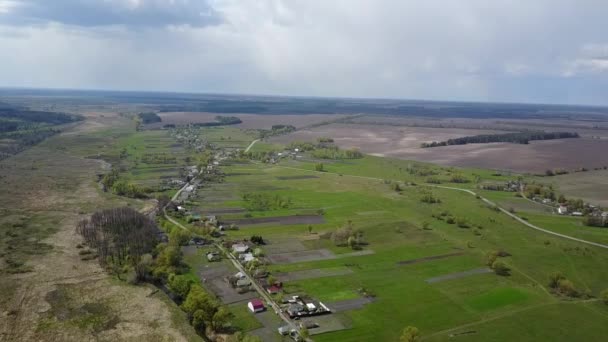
column 604, row 296
column 462, row 222
column 501, row 269
column 566, row 287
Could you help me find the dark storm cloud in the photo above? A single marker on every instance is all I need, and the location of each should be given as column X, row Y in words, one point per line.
column 95, row 13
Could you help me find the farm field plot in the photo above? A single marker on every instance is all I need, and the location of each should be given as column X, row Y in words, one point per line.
column 591, row 186
column 250, row 121
column 391, row 224
column 404, row 143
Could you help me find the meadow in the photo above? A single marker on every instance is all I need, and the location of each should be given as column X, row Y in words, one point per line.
column 398, row 227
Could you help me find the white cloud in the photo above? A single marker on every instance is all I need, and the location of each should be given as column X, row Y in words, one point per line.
column 434, row 49
column 7, row 6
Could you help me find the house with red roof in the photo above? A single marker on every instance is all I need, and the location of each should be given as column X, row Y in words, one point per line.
column 256, row 305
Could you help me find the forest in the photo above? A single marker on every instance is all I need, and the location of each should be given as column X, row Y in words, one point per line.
column 517, row 138
column 149, row 117
column 119, row 235
column 219, row 121
column 21, row 128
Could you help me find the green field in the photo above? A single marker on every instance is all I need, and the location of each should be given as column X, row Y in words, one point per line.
column 488, row 304
column 474, row 307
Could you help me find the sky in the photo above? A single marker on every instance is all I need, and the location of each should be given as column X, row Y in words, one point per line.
column 541, row 51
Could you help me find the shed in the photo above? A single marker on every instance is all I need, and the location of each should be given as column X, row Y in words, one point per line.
column 256, row 305
column 243, row 282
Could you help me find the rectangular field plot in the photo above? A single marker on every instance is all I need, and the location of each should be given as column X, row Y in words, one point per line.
column 314, row 273
column 279, row 220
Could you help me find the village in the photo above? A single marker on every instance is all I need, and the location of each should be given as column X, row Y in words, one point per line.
column 545, row 195
column 242, row 274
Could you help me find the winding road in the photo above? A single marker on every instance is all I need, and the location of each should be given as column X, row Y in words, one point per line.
column 251, row 145
column 485, row 200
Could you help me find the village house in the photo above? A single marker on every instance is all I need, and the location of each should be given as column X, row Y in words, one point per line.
column 213, row 256
column 274, row 289
column 212, row 219
column 240, row 248
column 246, row 257
column 562, row 210
column 256, row 305
column 244, row 282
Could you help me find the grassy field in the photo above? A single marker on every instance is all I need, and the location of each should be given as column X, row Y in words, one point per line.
column 46, row 190
column 392, row 223
column 407, row 242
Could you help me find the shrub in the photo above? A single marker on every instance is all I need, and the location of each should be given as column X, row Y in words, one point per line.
column 604, row 296
column 566, row 287
column 500, row 268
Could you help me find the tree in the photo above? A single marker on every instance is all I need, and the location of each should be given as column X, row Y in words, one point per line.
column 491, row 258
column 567, row 288
column 554, row 279
column 352, row 242
column 410, row 334
column 319, row 167
column 304, row 333
column 169, row 256
column 220, row 318
column 271, row 280
column 309, row 229
column 604, row 296
column 199, row 300
column 142, row 268
column 179, row 285
column 198, row 321
column 500, row 268
column 179, row 237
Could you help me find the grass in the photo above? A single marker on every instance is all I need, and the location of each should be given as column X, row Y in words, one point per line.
column 497, row 298
column 243, row 320
column 391, row 223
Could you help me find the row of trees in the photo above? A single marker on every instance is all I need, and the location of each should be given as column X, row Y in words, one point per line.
column 348, row 236
column 276, row 130
column 519, row 138
column 263, row 202
column 334, row 152
column 111, row 181
column 149, row 117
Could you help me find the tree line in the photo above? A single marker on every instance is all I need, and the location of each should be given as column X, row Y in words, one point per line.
column 518, row 138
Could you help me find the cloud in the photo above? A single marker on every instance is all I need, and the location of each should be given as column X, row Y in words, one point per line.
column 434, row 49
column 95, row 13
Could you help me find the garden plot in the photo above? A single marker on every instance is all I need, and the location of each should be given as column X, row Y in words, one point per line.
column 302, row 256
column 279, row 246
column 328, row 323
column 313, row 255
column 314, row 273
column 430, row 258
column 271, row 322
column 223, row 211
column 349, row 304
column 281, row 220
column 458, row 275
column 299, row 177
column 214, row 278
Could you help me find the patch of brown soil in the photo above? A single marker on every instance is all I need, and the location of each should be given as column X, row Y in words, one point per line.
column 253, row 121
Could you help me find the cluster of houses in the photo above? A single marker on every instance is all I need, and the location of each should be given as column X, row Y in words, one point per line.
column 510, row 186
column 297, row 307
column 586, row 210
